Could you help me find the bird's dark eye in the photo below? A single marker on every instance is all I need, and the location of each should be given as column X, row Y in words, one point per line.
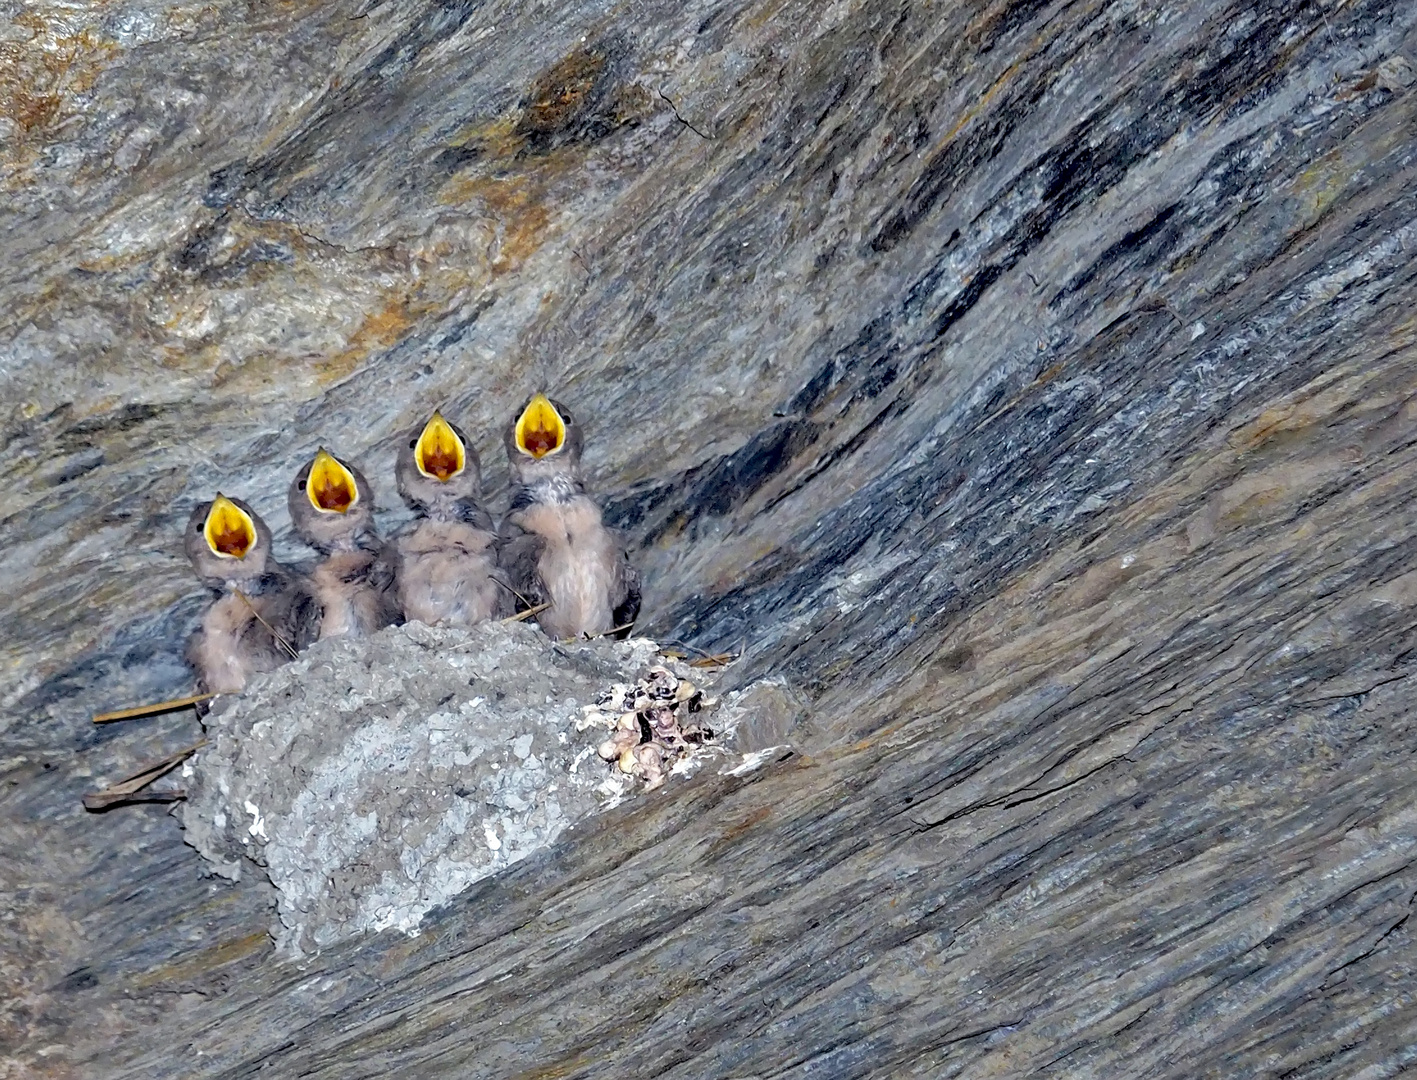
column 412, row 443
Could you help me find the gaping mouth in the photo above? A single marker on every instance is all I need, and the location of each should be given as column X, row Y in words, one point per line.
column 331, row 487
column 540, row 429
column 439, row 453
column 229, row 530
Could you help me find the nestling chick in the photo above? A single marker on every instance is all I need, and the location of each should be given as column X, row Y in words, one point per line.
column 262, row 614
column 445, row 559
column 332, row 509
column 555, row 548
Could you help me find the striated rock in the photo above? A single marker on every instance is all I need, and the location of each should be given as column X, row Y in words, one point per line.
column 1028, row 385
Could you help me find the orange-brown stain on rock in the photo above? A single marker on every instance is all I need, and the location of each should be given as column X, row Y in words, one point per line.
column 516, row 163
column 39, row 77
column 738, row 828
column 1314, row 407
column 379, row 330
column 560, row 95
column 524, row 218
column 518, row 205
column 765, row 14
column 576, row 1062
column 1253, row 508
column 1048, row 375
column 496, row 140
column 207, row 961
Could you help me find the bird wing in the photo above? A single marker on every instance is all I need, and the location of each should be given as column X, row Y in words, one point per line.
column 306, row 614
column 625, row 594
column 518, row 553
column 294, row 612
column 383, row 580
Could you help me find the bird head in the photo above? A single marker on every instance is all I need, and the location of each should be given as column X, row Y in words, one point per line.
column 544, row 442
column 227, row 541
column 331, row 503
column 439, row 466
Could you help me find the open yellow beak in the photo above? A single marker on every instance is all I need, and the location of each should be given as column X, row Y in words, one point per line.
column 540, row 429
column 330, row 487
column 439, row 453
column 229, row 530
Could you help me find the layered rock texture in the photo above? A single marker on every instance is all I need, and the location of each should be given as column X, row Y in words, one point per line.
column 1028, row 389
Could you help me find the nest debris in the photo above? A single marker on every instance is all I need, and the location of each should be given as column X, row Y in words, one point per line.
column 655, row 724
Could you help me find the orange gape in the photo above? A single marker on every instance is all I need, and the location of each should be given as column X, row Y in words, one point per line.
column 229, row 531
column 231, row 541
column 332, row 495
column 440, row 453
column 540, row 443
column 330, row 486
column 441, row 461
column 540, row 430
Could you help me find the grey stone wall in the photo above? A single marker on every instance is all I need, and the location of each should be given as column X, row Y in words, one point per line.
column 1027, row 386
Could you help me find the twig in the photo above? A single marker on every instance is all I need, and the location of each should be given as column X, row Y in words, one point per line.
column 612, row 630
column 721, row 660
column 125, row 789
column 511, row 590
column 713, row 658
column 287, row 646
column 522, row 616
column 103, row 800
column 151, row 710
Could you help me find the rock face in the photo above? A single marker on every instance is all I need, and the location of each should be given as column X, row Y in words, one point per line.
column 1027, row 386
column 374, row 780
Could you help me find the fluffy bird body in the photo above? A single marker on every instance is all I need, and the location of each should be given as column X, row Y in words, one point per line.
column 445, row 571
column 445, row 559
column 261, row 612
column 351, row 596
column 332, row 509
column 555, row 546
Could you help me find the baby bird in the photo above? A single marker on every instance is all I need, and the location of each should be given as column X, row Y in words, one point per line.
column 555, row 548
column 263, row 614
column 445, row 559
column 332, row 509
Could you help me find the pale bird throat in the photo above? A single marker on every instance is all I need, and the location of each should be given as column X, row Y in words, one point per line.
column 331, row 488
column 540, row 429
column 229, row 530
column 439, row 453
